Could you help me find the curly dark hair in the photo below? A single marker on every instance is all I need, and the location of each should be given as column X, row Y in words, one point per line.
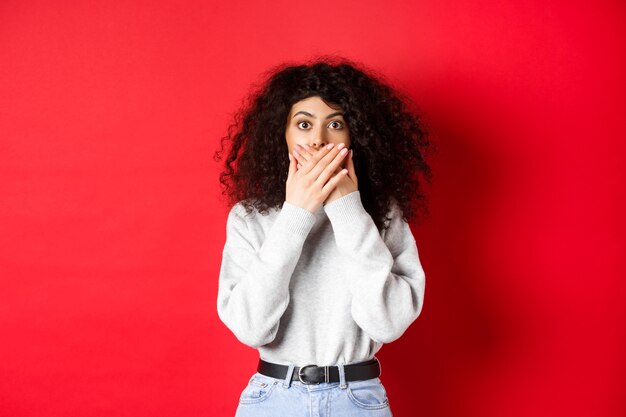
column 388, row 140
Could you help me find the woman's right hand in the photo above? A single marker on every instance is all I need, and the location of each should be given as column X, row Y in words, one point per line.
column 308, row 186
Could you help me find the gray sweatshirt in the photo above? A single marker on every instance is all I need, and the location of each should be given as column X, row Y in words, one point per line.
column 318, row 288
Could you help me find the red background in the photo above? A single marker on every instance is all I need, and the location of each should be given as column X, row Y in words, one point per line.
column 112, row 227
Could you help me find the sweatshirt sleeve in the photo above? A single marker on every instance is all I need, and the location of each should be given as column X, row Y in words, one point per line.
column 253, row 291
column 384, row 273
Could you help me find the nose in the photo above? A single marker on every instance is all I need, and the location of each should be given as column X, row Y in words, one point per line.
column 318, row 138
column 318, row 144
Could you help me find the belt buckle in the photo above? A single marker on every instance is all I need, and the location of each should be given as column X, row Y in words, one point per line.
column 326, row 373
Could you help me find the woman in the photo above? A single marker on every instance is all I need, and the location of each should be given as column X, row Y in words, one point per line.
column 320, row 267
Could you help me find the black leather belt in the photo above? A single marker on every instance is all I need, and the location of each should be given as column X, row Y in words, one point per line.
column 313, row 374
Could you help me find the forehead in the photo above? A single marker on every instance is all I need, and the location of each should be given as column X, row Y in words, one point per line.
column 314, row 104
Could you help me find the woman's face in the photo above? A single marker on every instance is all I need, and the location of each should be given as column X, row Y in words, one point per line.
column 314, row 123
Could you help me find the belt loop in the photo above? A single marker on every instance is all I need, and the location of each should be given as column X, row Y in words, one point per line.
column 342, row 376
column 287, row 380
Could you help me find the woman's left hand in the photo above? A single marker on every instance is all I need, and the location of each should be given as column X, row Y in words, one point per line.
column 349, row 183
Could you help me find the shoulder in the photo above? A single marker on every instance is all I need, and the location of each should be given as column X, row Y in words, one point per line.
column 238, row 210
column 238, row 216
column 246, row 214
column 242, row 226
column 395, row 214
column 244, row 210
column 399, row 231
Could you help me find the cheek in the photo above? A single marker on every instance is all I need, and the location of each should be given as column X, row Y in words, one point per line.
column 292, row 136
column 290, row 140
column 345, row 138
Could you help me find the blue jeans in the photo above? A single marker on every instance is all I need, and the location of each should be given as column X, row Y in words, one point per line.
column 265, row 396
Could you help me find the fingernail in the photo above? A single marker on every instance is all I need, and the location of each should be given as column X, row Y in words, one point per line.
column 330, row 146
column 341, row 145
column 343, row 151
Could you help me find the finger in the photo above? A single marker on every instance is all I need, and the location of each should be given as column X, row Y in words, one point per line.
column 326, row 171
column 311, row 163
column 300, row 158
column 296, row 157
column 332, row 184
column 306, row 153
column 350, row 166
column 292, row 166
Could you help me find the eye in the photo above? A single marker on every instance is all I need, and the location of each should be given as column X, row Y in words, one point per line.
column 302, row 121
column 338, row 122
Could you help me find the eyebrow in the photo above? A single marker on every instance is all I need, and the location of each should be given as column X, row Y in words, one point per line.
column 310, row 115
